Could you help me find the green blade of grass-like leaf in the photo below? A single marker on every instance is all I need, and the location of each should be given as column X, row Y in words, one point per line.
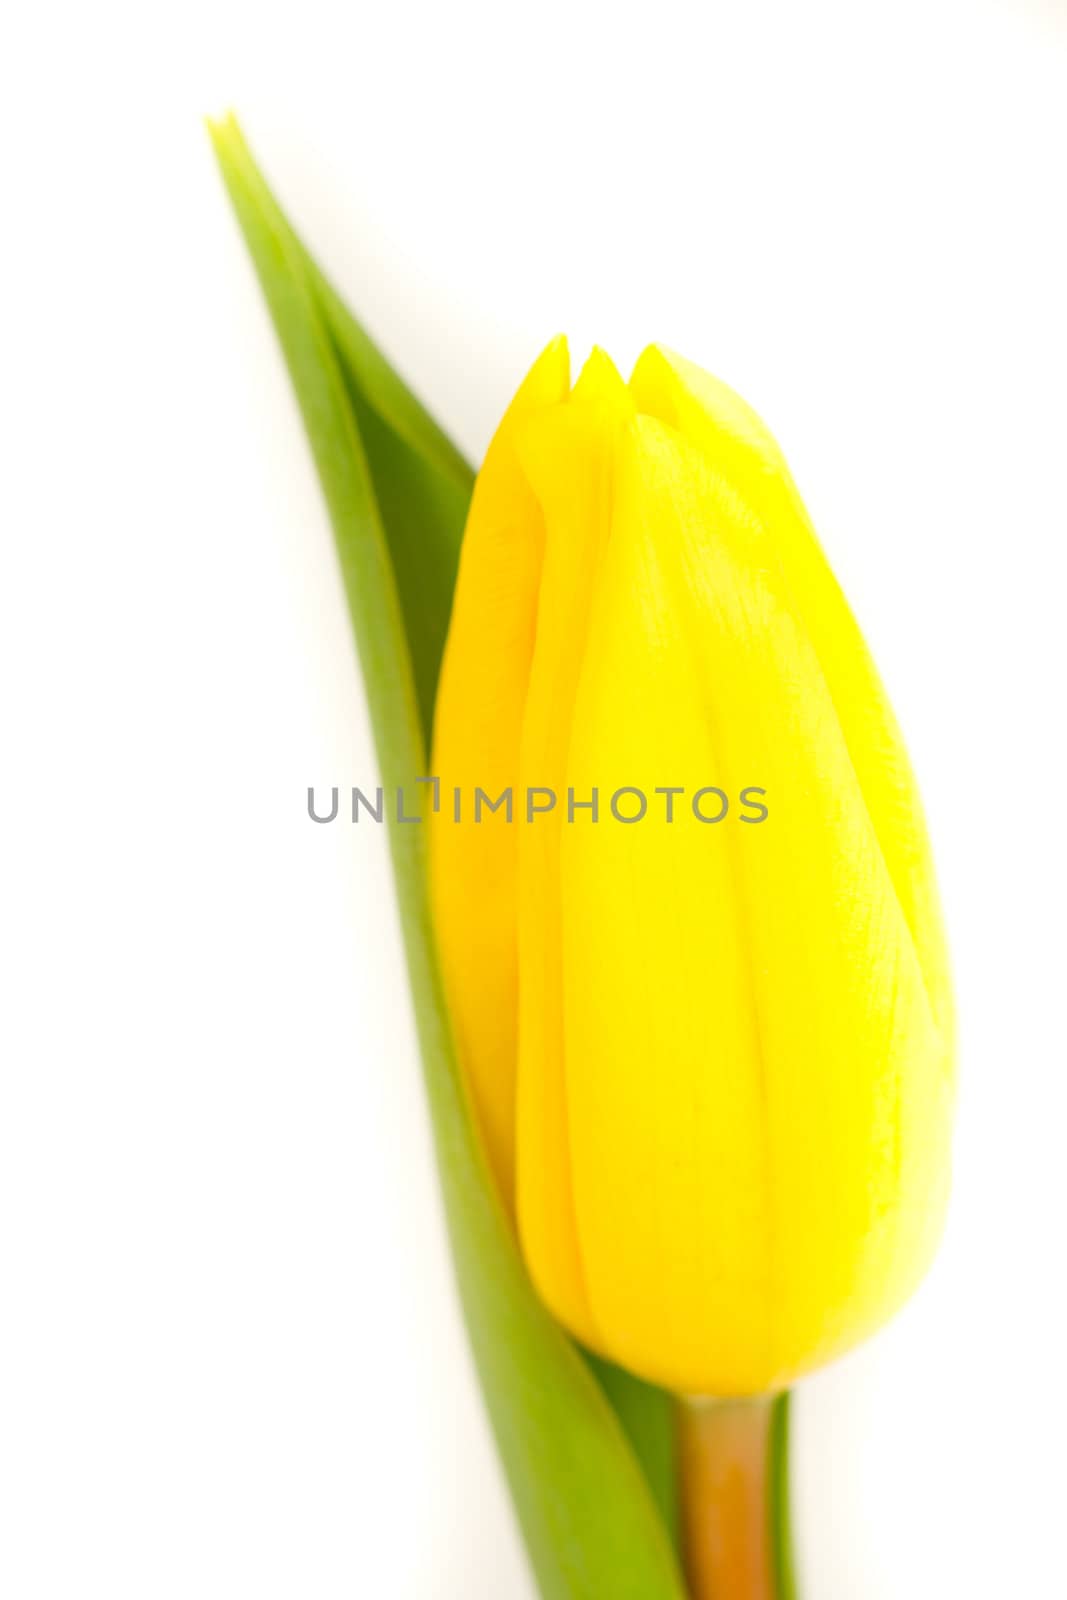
column 647, row 1414
column 423, row 487
column 589, row 1520
column 423, row 513
column 421, row 482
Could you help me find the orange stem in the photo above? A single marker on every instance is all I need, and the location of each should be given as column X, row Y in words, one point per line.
column 724, row 1457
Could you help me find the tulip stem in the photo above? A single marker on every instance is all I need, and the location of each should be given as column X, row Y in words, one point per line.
column 729, row 1500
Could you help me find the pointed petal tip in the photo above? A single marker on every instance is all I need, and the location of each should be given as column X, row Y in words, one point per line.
column 556, row 357
column 654, row 367
column 650, row 356
column 599, row 378
column 598, row 361
column 547, row 382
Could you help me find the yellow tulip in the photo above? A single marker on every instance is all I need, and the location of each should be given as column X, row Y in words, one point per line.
column 712, row 1059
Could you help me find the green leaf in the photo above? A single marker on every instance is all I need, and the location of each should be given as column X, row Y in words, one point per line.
column 590, row 1523
column 421, row 484
column 423, row 487
column 647, row 1414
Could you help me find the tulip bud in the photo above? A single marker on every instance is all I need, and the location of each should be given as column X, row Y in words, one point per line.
column 711, row 1050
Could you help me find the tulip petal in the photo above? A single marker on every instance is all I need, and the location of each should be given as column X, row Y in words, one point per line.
column 484, row 677
column 746, row 454
column 567, row 455
column 756, row 1103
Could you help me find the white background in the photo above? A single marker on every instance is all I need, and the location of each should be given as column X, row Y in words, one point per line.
column 230, row 1359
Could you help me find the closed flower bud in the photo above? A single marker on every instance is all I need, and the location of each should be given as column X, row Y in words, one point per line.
column 711, row 1051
